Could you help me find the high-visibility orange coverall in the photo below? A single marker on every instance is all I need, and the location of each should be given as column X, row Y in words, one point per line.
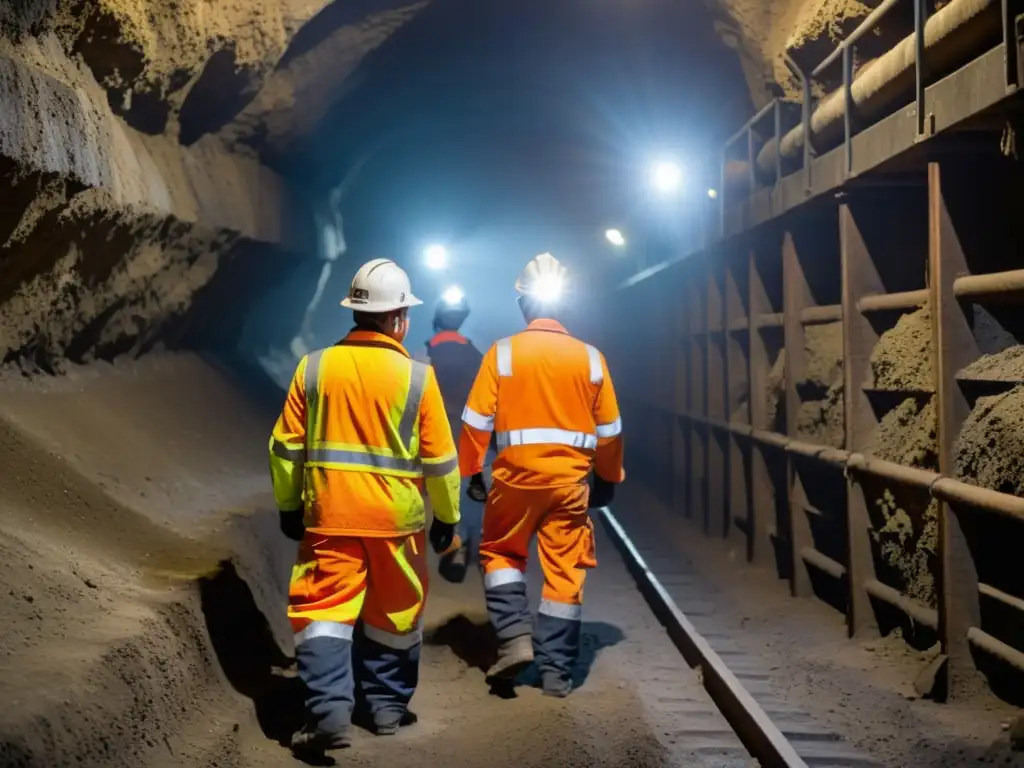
column 550, row 401
column 363, row 428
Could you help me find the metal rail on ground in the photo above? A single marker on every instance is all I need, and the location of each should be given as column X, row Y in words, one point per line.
column 755, row 729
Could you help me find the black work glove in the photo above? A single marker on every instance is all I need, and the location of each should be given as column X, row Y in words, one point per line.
column 602, row 493
column 476, row 490
column 441, row 536
column 291, row 524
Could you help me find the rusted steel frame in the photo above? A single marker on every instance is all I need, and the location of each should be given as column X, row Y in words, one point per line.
column 717, row 516
column 1010, row 601
column 737, row 376
column 697, row 507
column 680, row 346
column 869, row 23
column 954, row 491
column 753, row 726
column 888, row 301
column 860, row 278
column 954, row 347
column 1011, row 61
column 992, row 285
column 996, row 647
column 920, row 18
column 919, row 612
column 806, row 105
column 835, row 457
column 796, row 298
column 770, row 320
column 762, row 490
column 823, row 562
column 827, row 314
column 890, row 470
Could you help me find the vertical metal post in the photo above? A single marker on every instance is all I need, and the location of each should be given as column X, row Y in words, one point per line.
column 920, row 17
column 860, row 279
column 796, row 297
column 681, row 427
column 698, row 390
column 1010, row 52
column 737, row 377
column 761, row 488
column 848, row 108
column 716, row 389
column 954, row 346
column 721, row 194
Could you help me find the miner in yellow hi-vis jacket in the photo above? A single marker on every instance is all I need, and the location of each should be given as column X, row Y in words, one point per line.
column 362, row 431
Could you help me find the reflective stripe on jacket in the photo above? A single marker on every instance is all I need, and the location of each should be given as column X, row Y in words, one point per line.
column 362, row 429
column 549, row 400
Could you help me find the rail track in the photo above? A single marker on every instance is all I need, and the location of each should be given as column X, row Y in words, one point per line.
column 776, row 734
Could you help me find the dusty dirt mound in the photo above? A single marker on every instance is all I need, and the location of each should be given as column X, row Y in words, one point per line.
column 906, row 531
column 906, row 521
column 902, row 359
column 821, row 419
column 1007, row 365
column 991, row 442
column 775, row 395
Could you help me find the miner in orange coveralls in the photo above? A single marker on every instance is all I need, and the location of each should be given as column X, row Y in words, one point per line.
column 549, row 400
column 362, row 431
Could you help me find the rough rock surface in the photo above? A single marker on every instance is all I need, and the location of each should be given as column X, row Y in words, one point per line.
column 989, row 445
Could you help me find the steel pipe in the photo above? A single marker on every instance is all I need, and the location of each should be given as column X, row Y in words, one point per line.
column 822, row 562
column 958, row 492
column 922, row 614
column 920, row 478
column 826, row 314
column 888, row 301
column 996, row 647
column 991, row 285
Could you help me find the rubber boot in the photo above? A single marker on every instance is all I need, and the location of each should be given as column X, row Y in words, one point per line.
column 514, row 655
column 555, row 684
column 312, row 741
column 453, row 566
column 388, row 722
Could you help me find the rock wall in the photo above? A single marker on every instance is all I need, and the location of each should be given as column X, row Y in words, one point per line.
column 135, row 152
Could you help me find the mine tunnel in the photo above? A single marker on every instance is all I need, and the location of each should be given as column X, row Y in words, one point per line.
column 791, row 229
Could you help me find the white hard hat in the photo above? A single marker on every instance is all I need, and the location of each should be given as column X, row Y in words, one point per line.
column 380, row 286
column 543, row 278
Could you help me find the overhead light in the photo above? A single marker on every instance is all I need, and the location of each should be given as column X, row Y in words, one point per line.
column 615, row 237
column 666, row 176
column 436, row 256
column 453, row 295
column 713, row 193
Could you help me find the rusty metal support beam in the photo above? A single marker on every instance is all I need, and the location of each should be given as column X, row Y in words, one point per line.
column 954, row 346
column 717, row 441
column 860, row 280
column 796, row 299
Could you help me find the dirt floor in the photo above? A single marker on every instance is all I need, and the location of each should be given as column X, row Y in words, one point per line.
column 863, row 688
column 130, row 640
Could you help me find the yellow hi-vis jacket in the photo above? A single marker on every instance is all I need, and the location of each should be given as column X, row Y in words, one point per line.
column 363, row 428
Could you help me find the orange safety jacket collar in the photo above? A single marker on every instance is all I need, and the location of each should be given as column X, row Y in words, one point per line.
column 360, row 338
column 547, row 324
column 442, row 337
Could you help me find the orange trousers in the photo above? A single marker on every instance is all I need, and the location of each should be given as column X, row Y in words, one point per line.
column 339, row 579
column 565, row 538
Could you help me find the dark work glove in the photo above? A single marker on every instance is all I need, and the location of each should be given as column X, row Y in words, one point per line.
column 291, row 524
column 602, row 494
column 441, row 536
column 476, row 490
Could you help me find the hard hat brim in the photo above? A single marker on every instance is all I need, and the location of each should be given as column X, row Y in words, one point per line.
column 381, row 306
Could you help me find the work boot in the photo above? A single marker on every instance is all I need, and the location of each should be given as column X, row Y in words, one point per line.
column 514, row 656
column 313, row 741
column 388, row 722
column 453, row 565
column 556, row 684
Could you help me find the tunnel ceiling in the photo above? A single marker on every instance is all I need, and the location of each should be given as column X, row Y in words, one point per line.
column 146, row 145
